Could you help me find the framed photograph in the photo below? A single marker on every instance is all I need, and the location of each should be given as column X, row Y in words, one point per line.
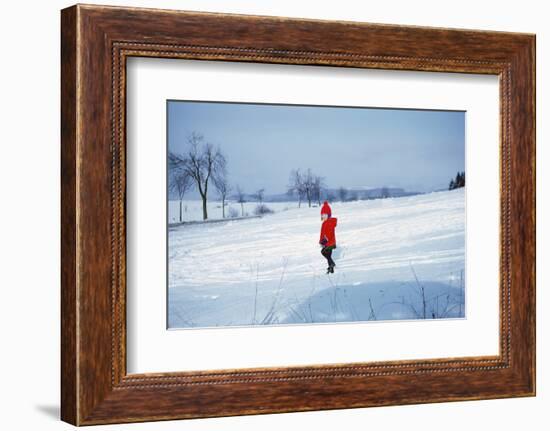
column 249, row 254
column 265, row 214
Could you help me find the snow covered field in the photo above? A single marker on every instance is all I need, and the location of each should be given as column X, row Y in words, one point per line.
column 192, row 209
column 397, row 258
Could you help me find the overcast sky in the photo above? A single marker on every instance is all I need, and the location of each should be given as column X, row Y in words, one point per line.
column 417, row 150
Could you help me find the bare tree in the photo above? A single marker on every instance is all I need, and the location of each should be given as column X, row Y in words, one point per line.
column 342, row 193
column 180, row 182
column 309, row 184
column 296, row 185
column 259, row 195
column 201, row 162
column 222, row 186
column 241, row 198
column 385, row 193
column 306, row 185
column 317, row 187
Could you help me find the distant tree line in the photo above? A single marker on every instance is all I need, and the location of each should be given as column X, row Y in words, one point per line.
column 345, row 195
column 458, row 181
column 203, row 166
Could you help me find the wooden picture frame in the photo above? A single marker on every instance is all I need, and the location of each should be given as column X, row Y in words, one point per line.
column 95, row 43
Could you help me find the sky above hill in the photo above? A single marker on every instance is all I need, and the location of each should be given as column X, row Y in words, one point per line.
column 418, row 150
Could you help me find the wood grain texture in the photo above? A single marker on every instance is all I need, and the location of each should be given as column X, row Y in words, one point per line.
column 96, row 41
column 69, row 366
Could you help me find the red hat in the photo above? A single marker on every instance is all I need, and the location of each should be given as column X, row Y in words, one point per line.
column 326, row 209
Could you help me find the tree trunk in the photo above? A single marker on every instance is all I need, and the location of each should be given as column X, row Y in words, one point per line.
column 242, row 209
column 423, row 303
column 181, row 215
column 204, row 211
column 223, row 207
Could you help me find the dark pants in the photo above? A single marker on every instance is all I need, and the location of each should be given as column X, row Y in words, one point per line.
column 327, row 253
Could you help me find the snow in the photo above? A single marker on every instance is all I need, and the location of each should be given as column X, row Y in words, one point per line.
column 396, row 258
column 192, row 209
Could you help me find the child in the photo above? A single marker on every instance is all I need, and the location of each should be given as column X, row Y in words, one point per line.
column 328, row 237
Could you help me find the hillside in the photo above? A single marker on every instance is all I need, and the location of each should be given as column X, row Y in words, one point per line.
column 269, row 270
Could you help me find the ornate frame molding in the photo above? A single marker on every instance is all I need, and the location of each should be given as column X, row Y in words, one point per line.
column 96, row 41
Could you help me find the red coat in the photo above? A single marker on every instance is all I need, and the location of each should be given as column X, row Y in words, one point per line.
column 327, row 232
